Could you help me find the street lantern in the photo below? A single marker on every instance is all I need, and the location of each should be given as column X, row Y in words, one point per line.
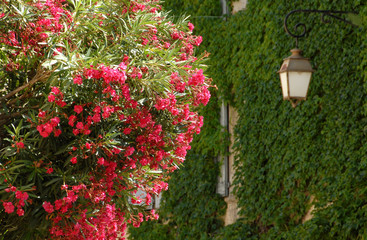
column 295, row 76
column 295, row 72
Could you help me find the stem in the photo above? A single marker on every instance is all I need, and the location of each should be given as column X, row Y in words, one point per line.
column 40, row 76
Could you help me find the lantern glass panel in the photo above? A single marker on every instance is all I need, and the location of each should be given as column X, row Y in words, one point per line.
column 284, row 82
column 298, row 83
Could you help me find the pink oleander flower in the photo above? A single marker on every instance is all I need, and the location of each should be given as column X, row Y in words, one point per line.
column 51, row 98
column 127, row 131
column 78, row 109
column 197, row 78
column 54, row 121
column 79, row 125
column 45, row 129
column 20, row 212
column 129, row 151
column 191, row 26
column 19, row 144
column 57, row 132
column 73, row 160
column 198, row 40
column 72, row 120
column 101, row 161
column 78, row 80
column 9, row 207
column 48, row 207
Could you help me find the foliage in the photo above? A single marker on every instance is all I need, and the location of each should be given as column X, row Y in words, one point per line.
column 100, row 100
column 238, row 231
column 287, row 157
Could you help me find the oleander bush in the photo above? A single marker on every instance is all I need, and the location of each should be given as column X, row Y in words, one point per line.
column 100, row 102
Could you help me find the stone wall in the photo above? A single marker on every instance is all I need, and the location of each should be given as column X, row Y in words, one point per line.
column 232, row 210
column 239, row 5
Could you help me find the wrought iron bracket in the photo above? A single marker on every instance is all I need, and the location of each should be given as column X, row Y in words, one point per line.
column 324, row 13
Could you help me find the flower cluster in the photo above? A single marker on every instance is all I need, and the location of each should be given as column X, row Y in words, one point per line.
column 19, row 200
column 46, row 127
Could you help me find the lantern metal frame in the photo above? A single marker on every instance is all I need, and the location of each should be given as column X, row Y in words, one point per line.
column 300, row 31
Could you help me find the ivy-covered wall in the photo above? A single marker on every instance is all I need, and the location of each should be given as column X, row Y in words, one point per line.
column 285, row 156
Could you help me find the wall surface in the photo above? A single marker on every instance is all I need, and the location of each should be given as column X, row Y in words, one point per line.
column 238, row 6
column 231, row 215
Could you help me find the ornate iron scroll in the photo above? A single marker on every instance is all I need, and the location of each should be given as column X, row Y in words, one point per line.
column 324, row 13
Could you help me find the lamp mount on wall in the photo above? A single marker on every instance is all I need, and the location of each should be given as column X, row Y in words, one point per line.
column 295, row 72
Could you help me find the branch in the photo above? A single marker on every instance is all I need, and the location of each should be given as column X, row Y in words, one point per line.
column 40, row 76
column 12, row 102
column 5, row 118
